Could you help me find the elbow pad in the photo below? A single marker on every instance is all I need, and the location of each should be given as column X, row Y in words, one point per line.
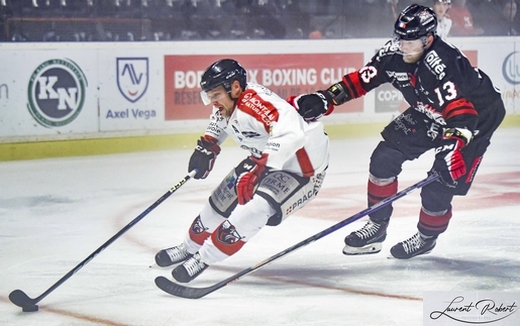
column 336, row 94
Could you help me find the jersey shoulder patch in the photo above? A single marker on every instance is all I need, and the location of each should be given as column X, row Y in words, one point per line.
column 443, row 60
column 257, row 107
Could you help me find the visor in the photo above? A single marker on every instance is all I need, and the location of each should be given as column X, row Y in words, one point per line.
column 399, row 44
column 210, row 97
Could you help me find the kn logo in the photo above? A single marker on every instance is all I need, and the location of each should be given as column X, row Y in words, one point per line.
column 56, row 92
column 511, row 68
column 132, row 77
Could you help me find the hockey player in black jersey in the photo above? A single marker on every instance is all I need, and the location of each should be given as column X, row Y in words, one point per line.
column 454, row 109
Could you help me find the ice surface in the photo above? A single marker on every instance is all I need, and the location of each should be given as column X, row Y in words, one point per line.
column 55, row 212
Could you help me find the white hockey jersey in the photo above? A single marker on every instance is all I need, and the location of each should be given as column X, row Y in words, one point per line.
column 264, row 123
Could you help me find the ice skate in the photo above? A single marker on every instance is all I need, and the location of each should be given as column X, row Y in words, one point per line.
column 190, row 269
column 367, row 240
column 418, row 244
column 171, row 256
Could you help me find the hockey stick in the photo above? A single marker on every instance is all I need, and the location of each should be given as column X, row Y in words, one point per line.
column 195, row 293
column 19, row 298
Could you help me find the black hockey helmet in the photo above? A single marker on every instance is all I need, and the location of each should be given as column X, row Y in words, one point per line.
column 223, row 72
column 414, row 22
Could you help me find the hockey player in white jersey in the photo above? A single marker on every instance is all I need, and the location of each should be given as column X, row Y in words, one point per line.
column 283, row 171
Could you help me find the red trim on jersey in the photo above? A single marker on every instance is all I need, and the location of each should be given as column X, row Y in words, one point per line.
column 354, row 84
column 458, row 107
column 434, row 224
column 263, row 111
column 305, row 162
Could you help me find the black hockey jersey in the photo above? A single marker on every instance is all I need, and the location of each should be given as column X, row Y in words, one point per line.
column 442, row 84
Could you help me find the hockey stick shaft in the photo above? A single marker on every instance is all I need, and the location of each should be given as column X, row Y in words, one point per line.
column 19, row 298
column 195, row 293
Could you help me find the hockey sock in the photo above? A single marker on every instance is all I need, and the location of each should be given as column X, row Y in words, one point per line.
column 433, row 223
column 376, row 193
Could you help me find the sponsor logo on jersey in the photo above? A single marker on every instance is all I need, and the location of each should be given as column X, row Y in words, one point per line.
column 399, row 76
column 256, row 105
column 255, row 152
column 300, row 202
column 273, row 146
column 213, row 128
column 388, row 49
column 435, row 65
column 56, row 92
column 132, row 77
column 430, row 113
column 279, row 183
column 406, row 123
column 511, row 68
column 250, row 134
column 216, row 116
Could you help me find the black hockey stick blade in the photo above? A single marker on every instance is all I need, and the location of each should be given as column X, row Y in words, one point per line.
column 19, row 298
column 182, row 291
column 187, row 292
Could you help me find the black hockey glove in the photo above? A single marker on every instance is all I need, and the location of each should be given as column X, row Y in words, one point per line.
column 203, row 157
column 311, row 106
column 449, row 163
column 314, row 106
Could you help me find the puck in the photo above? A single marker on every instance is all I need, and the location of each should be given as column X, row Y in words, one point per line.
column 30, row 308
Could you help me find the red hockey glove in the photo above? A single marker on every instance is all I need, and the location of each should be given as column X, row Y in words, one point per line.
column 311, row 106
column 204, row 156
column 449, row 163
column 249, row 180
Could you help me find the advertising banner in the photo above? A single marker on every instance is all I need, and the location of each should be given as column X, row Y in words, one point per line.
column 65, row 90
column 285, row 74
column 47, row 93
column 130, row 89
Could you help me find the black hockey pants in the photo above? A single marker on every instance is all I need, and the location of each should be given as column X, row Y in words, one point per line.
column 410, row 135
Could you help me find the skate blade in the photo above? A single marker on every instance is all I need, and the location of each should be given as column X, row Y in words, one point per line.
column 372, row 248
